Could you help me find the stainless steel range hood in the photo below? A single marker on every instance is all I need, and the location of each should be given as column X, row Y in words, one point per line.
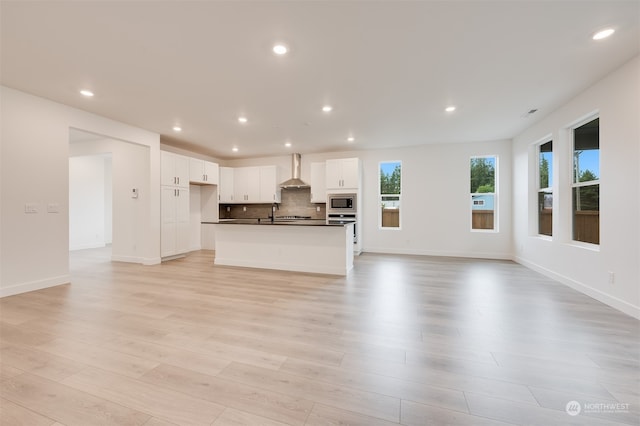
column 295, row 181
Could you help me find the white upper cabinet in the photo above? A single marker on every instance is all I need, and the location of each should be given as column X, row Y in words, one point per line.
column 225, row 187
column 318, row 183
column 174, row 169
column 343, row 173
column 203, row 172
column 246, row 184
column 269, row 185
column 249, row 185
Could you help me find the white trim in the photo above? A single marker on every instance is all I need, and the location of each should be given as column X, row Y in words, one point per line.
column 496, row 190
column 380, row 195
column 87, row 246
column 583, row 119
column 440, row 253
column 34, row 285
column 583, row 245
column 598, row 295
column 128, row 259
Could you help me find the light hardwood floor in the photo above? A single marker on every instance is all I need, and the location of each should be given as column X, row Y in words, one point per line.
column 406, row 340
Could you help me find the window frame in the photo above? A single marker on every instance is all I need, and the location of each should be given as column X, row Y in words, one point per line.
column 575, row 183
column 380, row 195
column 495, row 193
column 544, row 190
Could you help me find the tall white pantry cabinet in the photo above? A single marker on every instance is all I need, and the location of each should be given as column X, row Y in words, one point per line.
column 174, row 200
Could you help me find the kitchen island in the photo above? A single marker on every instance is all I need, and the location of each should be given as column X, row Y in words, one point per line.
column 297, row 245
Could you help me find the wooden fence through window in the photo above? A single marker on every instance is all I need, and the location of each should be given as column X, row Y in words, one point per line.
column 390, row 218
column 482, row 219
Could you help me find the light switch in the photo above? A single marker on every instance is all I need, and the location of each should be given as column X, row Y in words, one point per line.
column 31, row 208
column 53, row 208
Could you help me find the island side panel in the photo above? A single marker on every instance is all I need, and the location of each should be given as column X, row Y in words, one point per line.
column 317, row 249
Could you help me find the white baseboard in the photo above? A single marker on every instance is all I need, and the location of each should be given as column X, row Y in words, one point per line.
column 418, row 252
column 97, row 244
column 34, row 285
column 598, row 295
column 128, row 259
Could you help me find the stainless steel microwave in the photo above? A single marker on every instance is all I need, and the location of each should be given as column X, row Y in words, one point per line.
column 342, row 203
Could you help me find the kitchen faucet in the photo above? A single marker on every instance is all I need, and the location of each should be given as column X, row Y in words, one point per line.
column 274, row 206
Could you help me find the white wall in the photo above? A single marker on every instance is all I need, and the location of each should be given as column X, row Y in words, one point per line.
column 617, row 99
column 436, row 216
column 35, row 169
column 87, row 185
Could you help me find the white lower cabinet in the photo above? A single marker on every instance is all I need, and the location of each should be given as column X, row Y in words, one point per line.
column 174, row 213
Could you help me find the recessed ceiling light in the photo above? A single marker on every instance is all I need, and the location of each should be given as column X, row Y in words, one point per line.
column 87, row 93
column 450, row 108
column 280, row 49
column 327, row 108
column 288, row 144
column 234, row 149
column 350, row 139
column 242, row 119
column 177, row 128
column 603, row 34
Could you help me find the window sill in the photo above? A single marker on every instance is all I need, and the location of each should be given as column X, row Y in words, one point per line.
column 586, row 246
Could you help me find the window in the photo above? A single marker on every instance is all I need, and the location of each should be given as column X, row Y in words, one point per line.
column 545, row 193
column 586, row 182
column 483, row 192
column 390, row 194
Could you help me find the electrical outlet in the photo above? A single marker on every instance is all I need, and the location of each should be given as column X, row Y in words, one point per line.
column 31, row 208
column 228, row 208
column 53, row 208
column 244, row 208
column 612, row 277
column 317, row 208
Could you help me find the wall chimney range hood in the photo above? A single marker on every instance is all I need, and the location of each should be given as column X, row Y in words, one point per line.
column 295, row 181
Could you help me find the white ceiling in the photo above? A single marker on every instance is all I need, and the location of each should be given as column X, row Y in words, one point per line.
column 388, row 68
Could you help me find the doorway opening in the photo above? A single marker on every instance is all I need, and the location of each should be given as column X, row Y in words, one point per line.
column 90, row 197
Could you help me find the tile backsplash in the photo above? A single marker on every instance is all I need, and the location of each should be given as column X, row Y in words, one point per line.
column 293, row 202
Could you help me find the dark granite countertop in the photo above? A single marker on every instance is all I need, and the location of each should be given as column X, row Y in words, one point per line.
column 280, row 222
